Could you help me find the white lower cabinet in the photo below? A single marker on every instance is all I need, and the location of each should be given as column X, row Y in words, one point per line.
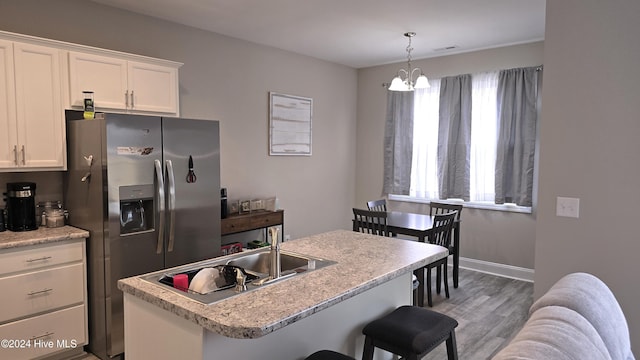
column 44, row 310
column 40, row 291
column 45, row 334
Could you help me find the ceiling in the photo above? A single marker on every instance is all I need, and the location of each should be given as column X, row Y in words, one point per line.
column 358, row 33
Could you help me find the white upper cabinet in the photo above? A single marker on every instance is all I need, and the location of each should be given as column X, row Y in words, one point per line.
column 8, row 131
column 38, row 81
column 124, row 85
column 153, row 87
column 105, row 76
column 32, row 112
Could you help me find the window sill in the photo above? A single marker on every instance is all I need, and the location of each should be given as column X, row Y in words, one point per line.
column 468, row 204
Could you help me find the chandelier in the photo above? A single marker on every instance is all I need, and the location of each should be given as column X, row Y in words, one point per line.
column 408, row 84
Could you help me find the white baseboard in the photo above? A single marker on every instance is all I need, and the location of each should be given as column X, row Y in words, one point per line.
column 508, row 271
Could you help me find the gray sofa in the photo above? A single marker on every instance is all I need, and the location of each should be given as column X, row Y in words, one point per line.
column 579, row 318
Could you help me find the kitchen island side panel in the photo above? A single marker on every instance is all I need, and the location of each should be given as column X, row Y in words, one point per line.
column 151, row 332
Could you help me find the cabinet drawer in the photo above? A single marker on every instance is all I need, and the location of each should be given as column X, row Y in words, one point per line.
column 45, row 334
column 42, row 290
column 252, row 221
column 32, row 258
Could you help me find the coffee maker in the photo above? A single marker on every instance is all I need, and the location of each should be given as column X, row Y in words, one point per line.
column 21, row 206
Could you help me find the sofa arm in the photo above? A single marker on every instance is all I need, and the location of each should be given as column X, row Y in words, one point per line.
column 591, row 298
column 555, row 333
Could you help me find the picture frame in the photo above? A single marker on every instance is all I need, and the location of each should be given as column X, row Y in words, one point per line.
column 234, row 208
column 245, row 206
column 290, row 125
column 257, row 205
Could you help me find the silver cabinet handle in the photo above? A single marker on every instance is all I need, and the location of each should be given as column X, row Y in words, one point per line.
column 45, row 335
column 39, row 292
column 38, row 259
column 126, row 99
column 23, row 158
column 132, row 106
column 15, row 154
column 160, row 184
column 172, row 204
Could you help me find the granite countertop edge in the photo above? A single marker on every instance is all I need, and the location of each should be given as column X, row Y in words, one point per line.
column 43, row 235
column 167, row 300
column 320, row 292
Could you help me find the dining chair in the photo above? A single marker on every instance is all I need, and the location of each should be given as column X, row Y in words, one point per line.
column 370, row 222
column 375, row 222
column 377, row 205
column 440, row 235
column 454, row 247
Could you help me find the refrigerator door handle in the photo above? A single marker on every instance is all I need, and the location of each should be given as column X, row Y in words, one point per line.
column 159, row 172
column 171, row 182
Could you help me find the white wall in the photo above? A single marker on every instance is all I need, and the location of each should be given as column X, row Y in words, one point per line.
column 493, row 236
column 229, row 80
column 590, row 148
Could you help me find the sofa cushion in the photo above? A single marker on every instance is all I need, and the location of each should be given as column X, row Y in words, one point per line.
column 591, row 298
column 555, row 333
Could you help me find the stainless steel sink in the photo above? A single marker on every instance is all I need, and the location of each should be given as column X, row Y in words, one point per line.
column 254, row 262
column 259, row 262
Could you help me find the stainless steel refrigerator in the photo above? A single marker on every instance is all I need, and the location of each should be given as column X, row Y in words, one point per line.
column 148, row 191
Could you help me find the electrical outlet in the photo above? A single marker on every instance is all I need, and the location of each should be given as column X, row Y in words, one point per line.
column 287, row 237
column 568, row 207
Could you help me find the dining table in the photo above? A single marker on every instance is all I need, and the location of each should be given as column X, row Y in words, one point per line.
column 420, row 226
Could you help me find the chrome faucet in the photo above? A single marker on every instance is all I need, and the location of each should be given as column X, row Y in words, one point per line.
column 274, row 255
column 240, row 281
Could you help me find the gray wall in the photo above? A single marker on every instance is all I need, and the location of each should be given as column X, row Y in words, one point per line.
column 486, row 235
column 590, row 146
column 229, row 80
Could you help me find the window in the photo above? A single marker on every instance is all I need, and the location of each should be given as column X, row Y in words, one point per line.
column 424, row 176
column 502, row 104
column 484, row 136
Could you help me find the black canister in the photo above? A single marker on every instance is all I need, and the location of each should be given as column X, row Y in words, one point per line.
column 2, row 227
column 223, row 203
column 21, row 206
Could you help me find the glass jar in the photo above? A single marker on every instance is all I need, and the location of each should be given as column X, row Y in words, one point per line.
column 41, row 210
column 55, row 218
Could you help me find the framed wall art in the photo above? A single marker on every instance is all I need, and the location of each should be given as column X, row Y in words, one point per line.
column 245, row 206
column 290, row 124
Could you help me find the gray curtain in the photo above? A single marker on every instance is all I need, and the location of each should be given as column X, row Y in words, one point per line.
column 454, row 137
column 518, row 109
column 398, row 143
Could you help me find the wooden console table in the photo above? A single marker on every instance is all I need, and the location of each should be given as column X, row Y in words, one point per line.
column 256, row 220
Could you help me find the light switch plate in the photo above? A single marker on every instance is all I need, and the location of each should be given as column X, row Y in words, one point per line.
column 568, row 207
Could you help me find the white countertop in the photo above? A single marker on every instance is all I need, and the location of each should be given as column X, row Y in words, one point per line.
column 43, row 235
column 363, row 262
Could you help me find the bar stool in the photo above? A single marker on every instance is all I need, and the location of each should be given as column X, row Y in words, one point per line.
column 328, row 355
column 411, row 332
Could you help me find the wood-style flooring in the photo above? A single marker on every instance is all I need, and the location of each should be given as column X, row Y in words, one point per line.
column 489, row 309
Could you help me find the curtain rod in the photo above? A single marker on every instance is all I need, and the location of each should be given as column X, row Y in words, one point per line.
column 538, row 68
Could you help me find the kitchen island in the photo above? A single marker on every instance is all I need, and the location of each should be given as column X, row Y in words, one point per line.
column 288, row 319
